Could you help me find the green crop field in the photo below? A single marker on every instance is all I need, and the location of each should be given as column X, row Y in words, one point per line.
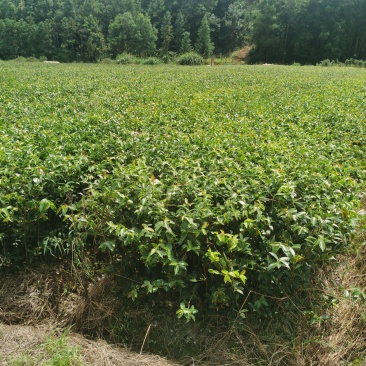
column 207, row 182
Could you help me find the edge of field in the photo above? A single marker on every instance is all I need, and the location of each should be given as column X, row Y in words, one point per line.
column 47, row 345
column 334, row 334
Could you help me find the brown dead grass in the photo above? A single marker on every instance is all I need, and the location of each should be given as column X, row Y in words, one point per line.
column 342, row 338
column 18, row 340
column 57, row 295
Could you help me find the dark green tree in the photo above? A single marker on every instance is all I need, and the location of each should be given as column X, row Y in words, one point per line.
column 155, row 10
column 185, row 45
column 17, row 38
column 45, row 39
column 92, row 42
column 70, row 40
column 178, row 31
column 122, row 34
column 8, row 40
column 146, row 36
column 8, row 10
column 275, row 30
column 204, row 44
column 166, row 35
column 238, row 23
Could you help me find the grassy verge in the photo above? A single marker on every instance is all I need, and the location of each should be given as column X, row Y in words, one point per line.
column 26, row 347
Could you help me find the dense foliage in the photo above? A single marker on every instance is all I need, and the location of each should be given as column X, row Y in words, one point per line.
column 282, row 31
column 225, row 181
column 190, row 58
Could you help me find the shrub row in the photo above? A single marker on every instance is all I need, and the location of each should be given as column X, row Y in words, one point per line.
column 349, row 62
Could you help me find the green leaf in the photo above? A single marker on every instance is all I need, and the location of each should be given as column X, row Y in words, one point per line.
column 46, row 204
column 108, row 244
column 321, row 242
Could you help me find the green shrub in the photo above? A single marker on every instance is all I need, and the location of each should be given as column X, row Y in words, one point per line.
column 20, row 59
column 190, row 58
column 152, row 61
column 26, row 59
column 106, row 61
column 358, row 63
column 325, row 63
column 32, row 59
column 125, row 59
column 351, row 62
column 336, row 63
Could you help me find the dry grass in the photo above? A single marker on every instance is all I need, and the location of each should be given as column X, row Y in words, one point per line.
column 22, row 300
column 55, row 295
column 30, row 299
column 342, row 338
column 34, row 299
column 26, row 343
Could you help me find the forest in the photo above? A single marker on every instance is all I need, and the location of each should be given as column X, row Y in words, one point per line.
column 275, row 31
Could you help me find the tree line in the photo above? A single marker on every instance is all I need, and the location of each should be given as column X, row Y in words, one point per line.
column 279, row 31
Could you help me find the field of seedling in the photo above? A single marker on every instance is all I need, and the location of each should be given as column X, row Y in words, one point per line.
column 211, row 183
